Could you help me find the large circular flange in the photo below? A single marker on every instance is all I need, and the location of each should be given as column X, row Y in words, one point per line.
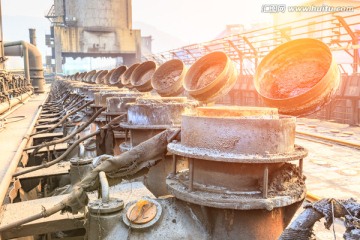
column 95, row 106
column 141, row 76
column 167, row 79
column 115, row 78
column 126, row 76
column 298, row 77
column 80, row 161
column 100, row 96
column 210, row 77
column 213, row 155
column 230, row 201
column 144, row 225
column 99, row 207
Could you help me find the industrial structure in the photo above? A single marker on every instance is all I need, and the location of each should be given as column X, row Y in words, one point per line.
column 339, row 30
column 210, row 141
column 83, row 28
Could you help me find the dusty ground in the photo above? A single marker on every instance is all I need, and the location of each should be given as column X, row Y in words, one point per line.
column 332, row 171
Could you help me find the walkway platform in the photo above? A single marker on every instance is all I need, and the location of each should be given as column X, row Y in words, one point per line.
column 12, row 135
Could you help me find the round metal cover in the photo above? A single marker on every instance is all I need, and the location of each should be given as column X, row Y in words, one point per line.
column 99, row 207
column 141, row 212
column 148, row 219
column 80, row 161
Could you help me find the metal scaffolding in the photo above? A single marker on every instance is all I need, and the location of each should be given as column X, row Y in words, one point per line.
column 336, row 29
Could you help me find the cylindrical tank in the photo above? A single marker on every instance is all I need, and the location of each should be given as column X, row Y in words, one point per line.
column 79, row 168
column 298, row 77
column 103, row 218
column 240, row 166
column 148, row 117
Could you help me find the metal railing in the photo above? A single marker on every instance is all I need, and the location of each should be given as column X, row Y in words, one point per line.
column 336, row 29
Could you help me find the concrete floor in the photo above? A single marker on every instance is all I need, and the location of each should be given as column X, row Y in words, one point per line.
column 331, row 170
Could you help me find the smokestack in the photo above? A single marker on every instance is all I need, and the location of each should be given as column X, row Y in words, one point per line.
column 32, row 36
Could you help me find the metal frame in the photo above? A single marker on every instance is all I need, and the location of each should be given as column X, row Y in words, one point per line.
column 254, row 45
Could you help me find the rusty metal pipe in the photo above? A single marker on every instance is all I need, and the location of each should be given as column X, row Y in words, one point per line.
column 71, row 135
column 62, row 157
column 32, row 36
column 45, row 213
column 32, row 62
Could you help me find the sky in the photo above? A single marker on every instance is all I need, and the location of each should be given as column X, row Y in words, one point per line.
column 196, row 20
column 188, row 20
column 184, row 21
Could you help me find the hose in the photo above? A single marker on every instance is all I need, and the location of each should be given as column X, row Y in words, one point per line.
column 145, row 152
column 47, row 144
column 63, row 119
column 301, row 227
column 48, row 164
column 59, row 159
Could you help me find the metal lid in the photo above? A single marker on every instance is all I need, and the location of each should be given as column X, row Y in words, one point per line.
column 145, row 213
column 80, row 161
column 99, row 207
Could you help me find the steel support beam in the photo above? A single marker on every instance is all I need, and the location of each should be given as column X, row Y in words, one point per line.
column 240, row 54
column 246, row 40
column 354, row 39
